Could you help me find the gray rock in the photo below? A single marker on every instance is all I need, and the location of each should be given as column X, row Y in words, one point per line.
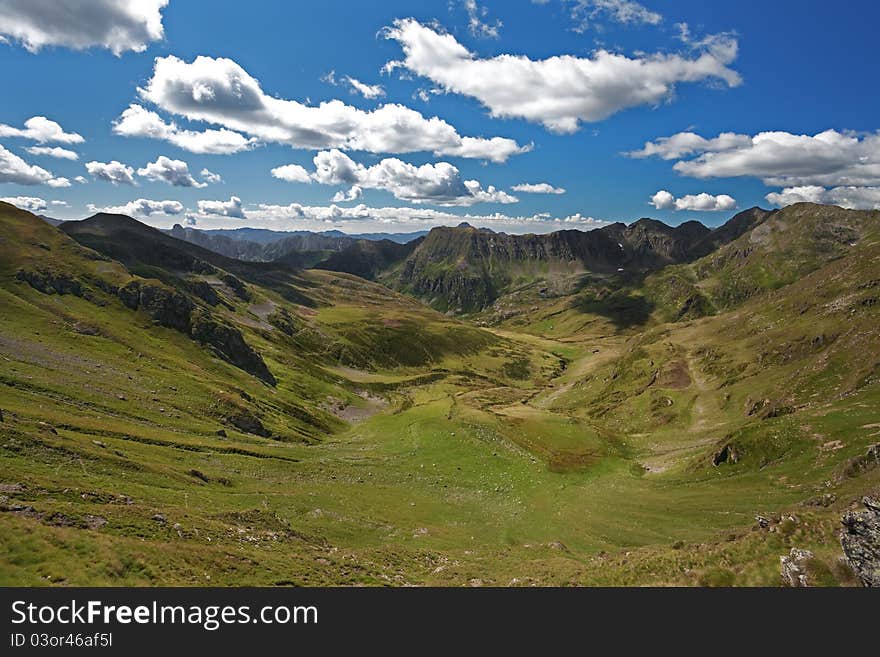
column 860, row 540
column 95, row 522
column 160, row 517
column 794, row 567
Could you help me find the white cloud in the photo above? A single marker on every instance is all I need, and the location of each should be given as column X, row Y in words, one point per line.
column 174, row 172
column 853, row 198
column 143, row 207
column 478, row 24
column 663, row 200
column 56, row 151
column 589, row 12
column 29, row 203
column 118, row 25
column 439, row 183
column 57, row 202
column 231, row 208
column 137, row 121
column 538, row 188
column 112, row 172
column 689, row 143
column 292, row 173
column 558, row 92
column 81, row 180
column 41, row 130
column 210, row 177
column 782, row 159
column 221, row 92
column 13, row 169
column 352, row 194
column 368, row 91
column 362, row 218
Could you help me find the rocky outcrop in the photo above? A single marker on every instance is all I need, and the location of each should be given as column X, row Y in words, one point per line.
column 237, row 287
column 206, row 292
column 167, row 307
column 172, row 309
column 860, row 540
column 229, row 344
column 50, row 282
column 794, row 567
column 245, row 421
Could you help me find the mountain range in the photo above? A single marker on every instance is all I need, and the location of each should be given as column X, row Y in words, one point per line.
column 634, row 405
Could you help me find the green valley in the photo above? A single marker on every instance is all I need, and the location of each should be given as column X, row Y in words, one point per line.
column 634, row 405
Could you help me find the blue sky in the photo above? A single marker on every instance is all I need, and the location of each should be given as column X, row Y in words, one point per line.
column 676, row 110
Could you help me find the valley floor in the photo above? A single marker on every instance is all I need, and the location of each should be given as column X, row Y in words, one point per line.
column 462, row 480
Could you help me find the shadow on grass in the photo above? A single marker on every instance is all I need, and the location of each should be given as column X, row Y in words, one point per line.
column 622, row 308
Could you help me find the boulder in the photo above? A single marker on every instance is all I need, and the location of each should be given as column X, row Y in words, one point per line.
column 794, row 567
column 860, row 540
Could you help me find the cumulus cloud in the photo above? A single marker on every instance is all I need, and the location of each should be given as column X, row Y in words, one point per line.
column 143, row 207
column 29, row 203
column 538, row 188
column 220, row 92
column 41, row 130
column 231, row 208
column 352, row 194
column 440, row 183
column 689, row 143
column 292, row 173
column 14, row 169
column 118, row 25
column 664, row 200
column 136, row 121
column 852, row 198
column 54, row 151
column 782, row 159
column 81, row 180
column 210, row 177
column 559, row 92
column 113, row 172
column 173, row 172
column 478, row 23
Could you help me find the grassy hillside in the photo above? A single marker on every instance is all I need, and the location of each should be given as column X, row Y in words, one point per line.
column 577, row 438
